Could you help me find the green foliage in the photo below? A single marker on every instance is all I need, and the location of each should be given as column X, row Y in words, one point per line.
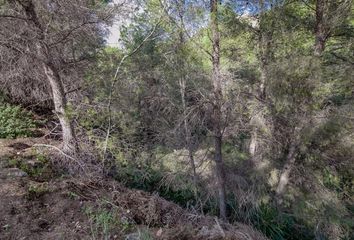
column 279, row 226
column 3, row 98
column 37, row 167
column 37, row 190
column 144, row 234
column 102, row 222
column 73, row 195
column 15, row 122
column 105, row 221
column 232, row 154
column 151, row 180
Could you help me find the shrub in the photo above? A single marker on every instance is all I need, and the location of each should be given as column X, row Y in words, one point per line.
column 278, row 225
column 152, row 180
column 37, row 190
column 103, row 222
column 15, row 122
column 39, row 170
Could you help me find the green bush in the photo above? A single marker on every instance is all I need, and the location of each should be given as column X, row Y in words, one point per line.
column 278, row 225
column 40, row 171
column 102, row 222
column 151, row 180
column 15, row 122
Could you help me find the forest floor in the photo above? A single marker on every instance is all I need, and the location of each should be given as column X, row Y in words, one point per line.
column 37, row 203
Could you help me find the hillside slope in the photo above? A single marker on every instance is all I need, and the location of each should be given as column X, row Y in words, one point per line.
column 37, row 204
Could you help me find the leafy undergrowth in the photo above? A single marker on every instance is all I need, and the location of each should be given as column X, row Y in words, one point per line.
column 37, row 167
column 15, row 122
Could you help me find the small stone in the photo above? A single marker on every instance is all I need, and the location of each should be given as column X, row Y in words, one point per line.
column 14, row 172
column 132, row 236
column 159, row 233
column 32, row 163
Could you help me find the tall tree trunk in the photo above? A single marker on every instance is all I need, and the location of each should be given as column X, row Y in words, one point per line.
column 217, row 104
column 182, row 85
column 321, row 34
column 257, row 120
column 59, row 99
column 264, row 41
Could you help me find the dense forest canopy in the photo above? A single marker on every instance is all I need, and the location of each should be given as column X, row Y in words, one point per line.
column 238, row 108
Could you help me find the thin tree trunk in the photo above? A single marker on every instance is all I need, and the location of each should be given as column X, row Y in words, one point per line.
column 70, row 145
column 285, row 174
column 194, row 171
column 220, row 176
column 321, row 34
column 217, row 114
column 264, row 42
column 188, row 141
column 182, row 85
column 253, row 144
column 289, row 165
column 257, row 121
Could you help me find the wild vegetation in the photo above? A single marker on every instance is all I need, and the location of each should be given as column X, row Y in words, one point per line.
column 241, row 109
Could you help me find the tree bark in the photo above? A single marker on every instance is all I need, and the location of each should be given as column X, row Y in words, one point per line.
column 264, row 40
column 285, row 174
column 289, row 165
column 321, row 34
column 217, row 104
column 69, row 145
column 253, row 143
column 255, row 146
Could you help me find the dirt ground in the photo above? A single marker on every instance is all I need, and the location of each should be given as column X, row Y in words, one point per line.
column 32, row 209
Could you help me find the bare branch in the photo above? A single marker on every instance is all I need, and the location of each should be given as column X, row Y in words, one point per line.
column 115, row 79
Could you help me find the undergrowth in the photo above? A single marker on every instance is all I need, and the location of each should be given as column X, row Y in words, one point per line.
column 15, row 122
column 38, row 167
column 151, row 180
column 107, row 223
column 275, row 224
column 279, row 225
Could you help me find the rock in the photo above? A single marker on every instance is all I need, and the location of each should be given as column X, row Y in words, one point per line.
column 141, row 234
column 211, row 233
column 12, row 172
column 32, row 163
column 133, row 236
